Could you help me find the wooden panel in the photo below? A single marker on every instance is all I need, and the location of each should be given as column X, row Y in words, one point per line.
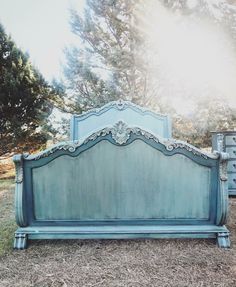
column 230, row 140
column 225, row 141
column 134, row 181
column 232, row 166
column 231, row 151
column 94, row 120
column 232, row 180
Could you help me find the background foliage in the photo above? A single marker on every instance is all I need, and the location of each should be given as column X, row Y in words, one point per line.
column 112, row 61
column 24, row 100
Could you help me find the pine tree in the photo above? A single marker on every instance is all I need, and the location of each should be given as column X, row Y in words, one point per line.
column 24, row 100
column 112, row 60
column 108, row 65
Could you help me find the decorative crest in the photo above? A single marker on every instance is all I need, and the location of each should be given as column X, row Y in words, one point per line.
column 121, row 133
column 120, row 105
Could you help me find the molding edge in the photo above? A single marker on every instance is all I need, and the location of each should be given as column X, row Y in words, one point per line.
column 222, row 204
column 120, row 105
column 120, row 133
column 19, row 190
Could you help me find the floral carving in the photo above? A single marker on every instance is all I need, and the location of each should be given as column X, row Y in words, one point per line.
column 120, row 133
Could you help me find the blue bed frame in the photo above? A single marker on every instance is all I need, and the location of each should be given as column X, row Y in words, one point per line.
column 96, row 119
column 121, row 182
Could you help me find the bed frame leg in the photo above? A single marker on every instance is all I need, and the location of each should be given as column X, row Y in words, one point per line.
column 223, row 239
column 20, row 241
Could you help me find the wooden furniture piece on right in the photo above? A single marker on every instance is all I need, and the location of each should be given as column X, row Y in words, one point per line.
column 225, row 141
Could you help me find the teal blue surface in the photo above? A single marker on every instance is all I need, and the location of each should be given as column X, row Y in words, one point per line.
column 84, row 124
column 121, row 182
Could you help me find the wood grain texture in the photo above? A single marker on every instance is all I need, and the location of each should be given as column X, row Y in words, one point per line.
column 130, row 182
column 122, row 182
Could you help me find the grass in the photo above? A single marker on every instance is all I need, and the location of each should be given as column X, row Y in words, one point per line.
column 120, row 263
column 7, row 170
column 7, row 220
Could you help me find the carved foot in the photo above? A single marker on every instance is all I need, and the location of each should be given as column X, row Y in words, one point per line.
column 223, row 240
column 20, row 241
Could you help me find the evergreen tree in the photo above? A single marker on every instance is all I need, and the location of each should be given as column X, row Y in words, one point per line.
column 112, row 62
column 108, row 65
column 24, row 100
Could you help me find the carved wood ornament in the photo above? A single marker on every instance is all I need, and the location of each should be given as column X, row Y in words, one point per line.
column 120, row 133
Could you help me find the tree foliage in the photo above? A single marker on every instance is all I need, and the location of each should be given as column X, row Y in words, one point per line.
column 111, row 62
column 107, row 65
column 24, row 100
column 209, row 116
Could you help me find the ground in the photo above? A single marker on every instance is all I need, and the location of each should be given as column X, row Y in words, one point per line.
column 112, row 262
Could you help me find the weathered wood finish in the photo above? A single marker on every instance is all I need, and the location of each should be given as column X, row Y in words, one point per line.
column 110, row 182
column 96, row 119
column 121, row 182
column 226, row 142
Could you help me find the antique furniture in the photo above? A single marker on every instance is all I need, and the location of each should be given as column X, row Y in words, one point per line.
column 121, row 182
column 226, row 141
column 96, row 119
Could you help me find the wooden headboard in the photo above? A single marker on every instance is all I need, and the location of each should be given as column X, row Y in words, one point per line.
column 134, row 115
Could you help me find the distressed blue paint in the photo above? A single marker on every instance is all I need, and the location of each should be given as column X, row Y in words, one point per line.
column 131, row 188
column 93, row 120
column 226, row 141
column 139, row 189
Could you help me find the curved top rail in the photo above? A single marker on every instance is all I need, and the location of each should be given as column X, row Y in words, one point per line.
column 120, row 133
column 120, row 105
column 98, row 118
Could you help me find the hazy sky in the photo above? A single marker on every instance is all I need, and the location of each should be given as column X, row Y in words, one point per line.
column 40, row 27
column 193, row 58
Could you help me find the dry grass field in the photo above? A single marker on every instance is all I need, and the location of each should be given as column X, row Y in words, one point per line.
column 7, row 169
column 112, row 262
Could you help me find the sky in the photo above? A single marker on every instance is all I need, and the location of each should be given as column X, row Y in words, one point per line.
column 192, row 59
column 41, row 28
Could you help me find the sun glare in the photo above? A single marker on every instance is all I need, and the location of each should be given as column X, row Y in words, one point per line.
column 189, row 58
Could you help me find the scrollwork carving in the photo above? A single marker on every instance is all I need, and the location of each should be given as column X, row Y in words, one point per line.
column 223, row 164
column 121, row 133
column 19, row 168
column 67, row 146
column 120, row 105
